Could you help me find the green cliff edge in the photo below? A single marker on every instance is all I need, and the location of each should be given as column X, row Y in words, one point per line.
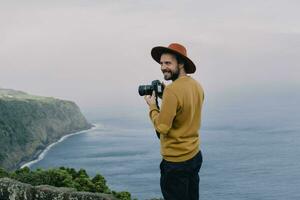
column 30, row 123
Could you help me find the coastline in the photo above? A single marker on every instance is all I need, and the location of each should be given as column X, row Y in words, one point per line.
column 41, row 153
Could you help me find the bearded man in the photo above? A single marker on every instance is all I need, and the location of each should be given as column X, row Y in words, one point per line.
column 178, row 123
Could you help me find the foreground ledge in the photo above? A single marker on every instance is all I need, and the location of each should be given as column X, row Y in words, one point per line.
column 14, row 190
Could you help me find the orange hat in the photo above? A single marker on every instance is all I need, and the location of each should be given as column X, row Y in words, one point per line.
column 177, row 49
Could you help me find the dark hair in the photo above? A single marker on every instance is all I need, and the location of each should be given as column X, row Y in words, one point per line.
column 180, row 59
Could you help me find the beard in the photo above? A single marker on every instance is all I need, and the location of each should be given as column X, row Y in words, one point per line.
column 171, row 75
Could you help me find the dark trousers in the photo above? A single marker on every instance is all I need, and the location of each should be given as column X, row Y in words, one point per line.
column 180, row 180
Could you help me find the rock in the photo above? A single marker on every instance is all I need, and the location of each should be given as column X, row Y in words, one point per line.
column 14, row 190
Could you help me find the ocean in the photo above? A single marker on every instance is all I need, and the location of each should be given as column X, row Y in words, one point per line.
column 251, row 151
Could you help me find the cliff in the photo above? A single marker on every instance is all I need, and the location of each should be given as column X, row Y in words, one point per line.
column 14, row 190
column 30, row 123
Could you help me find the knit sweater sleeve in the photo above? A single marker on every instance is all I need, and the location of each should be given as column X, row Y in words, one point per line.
column 163, row 119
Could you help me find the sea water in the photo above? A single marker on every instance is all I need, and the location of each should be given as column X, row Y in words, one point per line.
column 251, row 151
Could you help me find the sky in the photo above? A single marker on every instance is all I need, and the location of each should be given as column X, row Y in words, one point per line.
column 97, row 53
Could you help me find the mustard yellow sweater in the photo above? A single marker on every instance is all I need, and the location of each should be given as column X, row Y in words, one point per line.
column 179, row 119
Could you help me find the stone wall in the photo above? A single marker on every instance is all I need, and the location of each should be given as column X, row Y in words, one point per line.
column 14, row 190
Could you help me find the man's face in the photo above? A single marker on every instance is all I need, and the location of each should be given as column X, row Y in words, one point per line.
column 169, row 66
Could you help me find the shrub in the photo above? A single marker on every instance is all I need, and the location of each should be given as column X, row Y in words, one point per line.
column 65, row 177
column 3, row 173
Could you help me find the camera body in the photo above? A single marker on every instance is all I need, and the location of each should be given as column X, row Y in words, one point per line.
column 156, row 86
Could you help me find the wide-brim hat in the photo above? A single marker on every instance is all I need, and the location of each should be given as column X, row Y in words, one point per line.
column 177, row 49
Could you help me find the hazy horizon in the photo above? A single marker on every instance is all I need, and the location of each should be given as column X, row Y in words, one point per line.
column 96, row 53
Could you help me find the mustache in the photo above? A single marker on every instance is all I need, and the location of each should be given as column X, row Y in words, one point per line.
column 165, row 70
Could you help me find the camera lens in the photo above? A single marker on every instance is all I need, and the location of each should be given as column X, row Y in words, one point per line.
column 145, row 90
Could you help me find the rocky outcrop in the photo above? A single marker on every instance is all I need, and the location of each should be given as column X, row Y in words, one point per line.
column 14, row 190
column 28, row 124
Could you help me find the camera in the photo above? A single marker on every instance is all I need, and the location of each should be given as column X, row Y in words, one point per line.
column 156, row 86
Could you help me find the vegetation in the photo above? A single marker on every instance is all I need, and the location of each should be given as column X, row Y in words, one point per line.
column 30, row 123
column 64, row 177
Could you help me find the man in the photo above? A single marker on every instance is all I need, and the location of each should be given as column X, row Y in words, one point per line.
column 178, row 123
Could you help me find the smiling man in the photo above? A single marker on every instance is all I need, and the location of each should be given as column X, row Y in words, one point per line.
column 178, row 123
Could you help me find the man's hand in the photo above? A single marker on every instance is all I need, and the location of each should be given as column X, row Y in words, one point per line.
column 150, row 99
column 164, row 86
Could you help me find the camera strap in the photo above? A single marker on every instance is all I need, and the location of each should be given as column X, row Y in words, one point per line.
column 156, row 100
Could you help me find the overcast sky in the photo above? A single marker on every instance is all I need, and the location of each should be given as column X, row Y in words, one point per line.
column 96, row 53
